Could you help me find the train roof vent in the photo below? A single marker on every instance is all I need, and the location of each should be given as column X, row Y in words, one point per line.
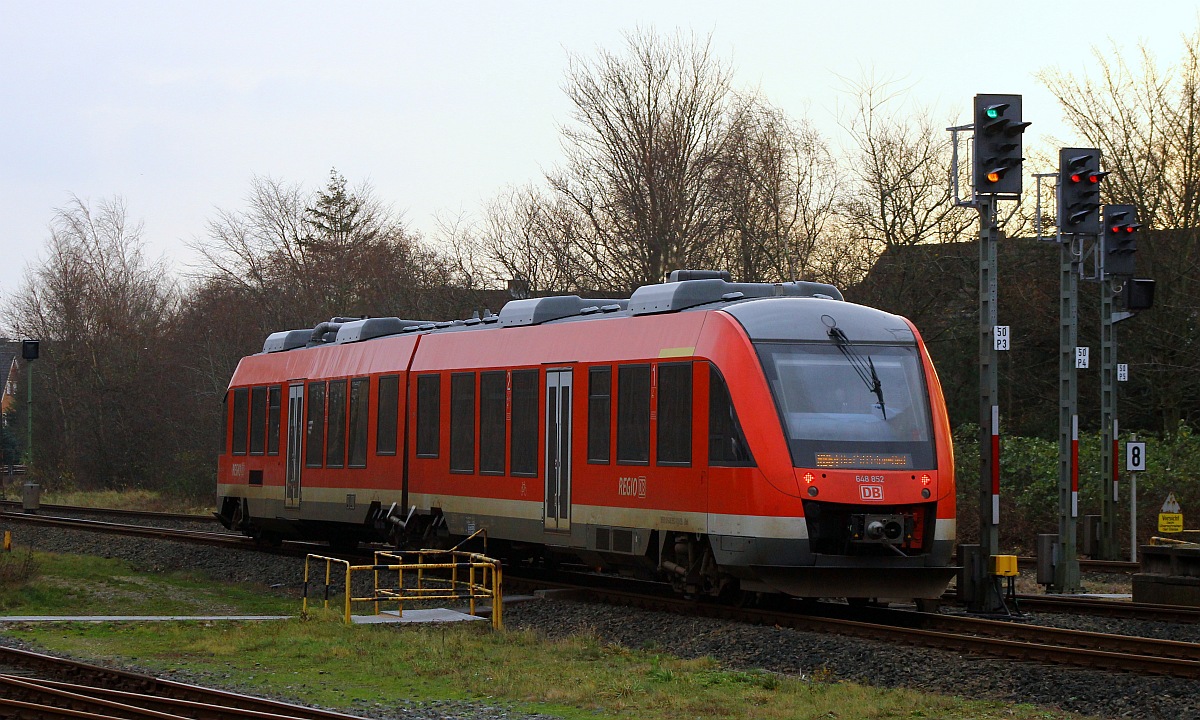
column 535, row 311
column 369, row 328
column 286, row 340
column 681, row 275
column 684, row 294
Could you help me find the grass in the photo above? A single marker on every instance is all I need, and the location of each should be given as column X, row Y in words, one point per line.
column 322, row 661
column 151, row 500
column 72, row 585
column 318, row 659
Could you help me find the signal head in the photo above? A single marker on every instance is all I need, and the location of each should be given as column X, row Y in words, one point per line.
column 997, row 154
column 1120, row 240
column 1079, row 191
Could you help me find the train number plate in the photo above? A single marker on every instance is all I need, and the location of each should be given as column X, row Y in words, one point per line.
column 871, row 492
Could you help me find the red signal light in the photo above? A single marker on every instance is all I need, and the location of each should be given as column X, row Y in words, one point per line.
column 1076, row 178
column 1093, row 179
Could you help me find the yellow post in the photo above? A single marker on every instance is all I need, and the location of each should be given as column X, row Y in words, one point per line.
column 348, row 594
column 8, row 541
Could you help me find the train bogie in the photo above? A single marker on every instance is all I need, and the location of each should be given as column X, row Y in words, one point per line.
column 718, row 435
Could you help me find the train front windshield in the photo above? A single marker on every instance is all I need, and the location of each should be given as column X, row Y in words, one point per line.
column 864, row 407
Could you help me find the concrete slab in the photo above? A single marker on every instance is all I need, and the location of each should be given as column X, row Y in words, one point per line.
column 430, row 615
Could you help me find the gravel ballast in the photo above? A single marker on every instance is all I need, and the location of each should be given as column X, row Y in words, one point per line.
column 802, row 654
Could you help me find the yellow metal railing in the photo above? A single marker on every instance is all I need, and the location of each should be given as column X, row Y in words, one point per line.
column 439, row 575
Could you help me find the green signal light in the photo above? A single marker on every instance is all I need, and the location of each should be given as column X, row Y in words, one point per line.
column 993, row 113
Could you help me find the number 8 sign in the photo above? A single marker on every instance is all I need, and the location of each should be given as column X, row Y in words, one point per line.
column 1135, row 456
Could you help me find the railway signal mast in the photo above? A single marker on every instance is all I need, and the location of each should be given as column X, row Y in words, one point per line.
column 1079, row 179
column 996, row 175
column 1117, row 284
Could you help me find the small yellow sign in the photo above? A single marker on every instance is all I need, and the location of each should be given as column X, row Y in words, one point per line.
column 1170, row 522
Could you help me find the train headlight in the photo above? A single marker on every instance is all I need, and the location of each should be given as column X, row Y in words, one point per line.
column 812, row 491
column 925, row 493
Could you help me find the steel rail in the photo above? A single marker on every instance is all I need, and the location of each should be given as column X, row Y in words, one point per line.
column 113, row 689
column 1111, row 608
column 1016, row 641
column 197, row 536
column 148, row 514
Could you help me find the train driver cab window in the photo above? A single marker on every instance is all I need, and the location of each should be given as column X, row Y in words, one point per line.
column 674, row 434
column 833, row 414
column 429, row 415
column 726, row 442
column 241, row 402
column 314, row 438
column 633, row 414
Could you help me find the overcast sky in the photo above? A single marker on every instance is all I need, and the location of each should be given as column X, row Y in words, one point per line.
column 439, row 105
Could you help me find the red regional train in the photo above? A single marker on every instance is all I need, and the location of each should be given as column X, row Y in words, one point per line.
column 726, row 436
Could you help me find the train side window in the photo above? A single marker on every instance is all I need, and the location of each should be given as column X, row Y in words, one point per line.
column 491, row 422
column 633, row 414
column 389, row 404
column 274, row 398
column 674, row 414
column 335, row 431
column 727, row 444
column 523, row 446
column 258, row 420
column 429, row 415
column 314, row 441
column 462, row 422
column 360, row 406
column 599, row 415
column 241, row 399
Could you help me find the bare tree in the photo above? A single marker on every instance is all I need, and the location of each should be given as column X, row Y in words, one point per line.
column 301, row 256
column 900, row 183
column 642, row 156
column 777, row 188
column 527, row 237
column 1146, row 122
column 102, row 311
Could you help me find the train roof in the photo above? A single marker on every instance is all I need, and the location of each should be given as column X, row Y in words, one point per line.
column 686, row 291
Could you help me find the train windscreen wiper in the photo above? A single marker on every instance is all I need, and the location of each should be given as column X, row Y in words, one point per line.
column 865, row 367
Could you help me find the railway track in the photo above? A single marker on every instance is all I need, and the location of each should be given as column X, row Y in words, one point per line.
column 15, row 505
column 1085, row 565
column 33, row 685
column 957, row 633
column 162, row 533
column 949, row 632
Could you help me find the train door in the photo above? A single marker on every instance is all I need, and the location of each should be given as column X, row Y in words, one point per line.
column 295, row 435
column 558, row 450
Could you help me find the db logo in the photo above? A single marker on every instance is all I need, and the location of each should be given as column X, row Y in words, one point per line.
column 871, row 492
